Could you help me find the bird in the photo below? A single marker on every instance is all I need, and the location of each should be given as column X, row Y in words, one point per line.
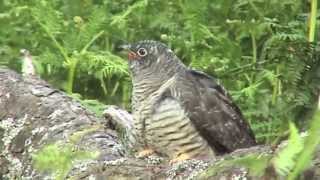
column 28, row 68
column 179, row 112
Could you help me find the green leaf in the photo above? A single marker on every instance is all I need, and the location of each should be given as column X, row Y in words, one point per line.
column 311, row 143
column 286, row 158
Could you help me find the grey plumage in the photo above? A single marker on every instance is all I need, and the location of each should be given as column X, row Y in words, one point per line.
column 181, row 111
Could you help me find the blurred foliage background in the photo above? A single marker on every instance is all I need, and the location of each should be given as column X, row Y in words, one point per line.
column 260, row 50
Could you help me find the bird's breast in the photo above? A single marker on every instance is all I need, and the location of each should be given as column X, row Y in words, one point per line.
column 143, row 96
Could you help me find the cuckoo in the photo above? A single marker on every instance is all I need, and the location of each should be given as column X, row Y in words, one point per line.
column 179, row 112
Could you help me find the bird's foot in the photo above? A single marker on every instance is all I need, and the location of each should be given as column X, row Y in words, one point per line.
column 181, row 157
column 145, row 153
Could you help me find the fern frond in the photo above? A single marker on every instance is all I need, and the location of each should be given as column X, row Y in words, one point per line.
column 104, row 63
column 310, row 145
column 121, row 18
column 286, row 158
column 51, row 19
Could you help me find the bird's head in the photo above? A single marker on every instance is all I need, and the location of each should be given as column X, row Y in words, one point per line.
column 150, row 56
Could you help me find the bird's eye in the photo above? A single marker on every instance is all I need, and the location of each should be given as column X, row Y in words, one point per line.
column 142, row 52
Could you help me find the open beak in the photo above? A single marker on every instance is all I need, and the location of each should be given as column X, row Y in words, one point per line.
column 127, row 47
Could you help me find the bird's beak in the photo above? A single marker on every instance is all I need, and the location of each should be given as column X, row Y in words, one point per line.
column 124, row 47
column 127, row 47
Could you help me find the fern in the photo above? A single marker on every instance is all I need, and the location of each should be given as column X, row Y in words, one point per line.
column 310, row 145
column 257, row 49
column 121, row 18
column 48, row 17
column 286, row 158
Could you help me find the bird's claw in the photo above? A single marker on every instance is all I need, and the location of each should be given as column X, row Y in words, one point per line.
column 145, row 153
column 181, row 157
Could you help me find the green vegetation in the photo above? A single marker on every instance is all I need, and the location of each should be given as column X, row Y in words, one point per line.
column 256, row 164
column 289, row 162
column 285, row 159
column 266, row 53
column 311, row 142
column 59, row 158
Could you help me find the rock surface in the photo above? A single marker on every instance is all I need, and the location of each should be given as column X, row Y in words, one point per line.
column 33, row 114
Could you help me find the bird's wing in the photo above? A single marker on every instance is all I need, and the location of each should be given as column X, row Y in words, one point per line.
column 213, row 113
